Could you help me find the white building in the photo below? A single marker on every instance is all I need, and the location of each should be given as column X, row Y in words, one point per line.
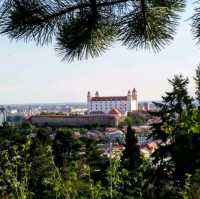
column 124, row 104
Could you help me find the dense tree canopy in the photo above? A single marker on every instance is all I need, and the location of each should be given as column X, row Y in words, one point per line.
column 61, row 163
column 84, row 28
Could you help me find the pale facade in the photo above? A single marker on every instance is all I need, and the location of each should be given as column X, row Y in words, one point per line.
column 124, row 104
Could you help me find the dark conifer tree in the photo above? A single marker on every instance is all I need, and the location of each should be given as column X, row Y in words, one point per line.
column 169, row 159
column 131, row 156
column 132, row 161
column 173, row 106
column 170, row 111
column 65, row 147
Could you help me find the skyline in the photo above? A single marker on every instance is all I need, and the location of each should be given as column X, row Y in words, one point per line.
column 31, row 74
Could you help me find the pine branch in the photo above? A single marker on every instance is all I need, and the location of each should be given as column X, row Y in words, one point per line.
column 86, row 28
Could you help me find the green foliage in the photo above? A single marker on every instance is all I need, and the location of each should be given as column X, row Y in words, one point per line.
column 15, row 170
column 192, row 186
column 196, row 21
column 195, row 185
column 94, row 36
column 124, row 183
column 178, row 133
column 173, row 108
column 126, row 122
column 65, row 146
column 148, row 25
column 83, row 171
column 135, row 119
column 87, row 28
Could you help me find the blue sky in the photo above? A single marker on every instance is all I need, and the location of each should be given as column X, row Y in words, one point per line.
column 31, row 74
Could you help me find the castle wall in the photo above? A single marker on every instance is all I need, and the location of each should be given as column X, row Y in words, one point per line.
column 74, row 121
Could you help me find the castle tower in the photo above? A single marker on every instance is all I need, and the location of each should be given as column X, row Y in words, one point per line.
column 97, row 94
column 134, row 98
column 88, row 101
column 129, row 95
column 89, row 96
column 134, row 94
column 129, row 101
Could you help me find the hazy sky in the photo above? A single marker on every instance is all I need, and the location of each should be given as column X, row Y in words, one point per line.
column 30, row 74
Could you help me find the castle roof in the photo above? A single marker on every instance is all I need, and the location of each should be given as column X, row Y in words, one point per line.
column 115, row 111
column 73, row 116
column 110, row 98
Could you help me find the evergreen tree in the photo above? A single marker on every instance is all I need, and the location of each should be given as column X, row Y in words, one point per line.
column 131, row 156
column 132, row 168
column 173, row 106
column 97, row 162
column 176, row 133
column 65, row 147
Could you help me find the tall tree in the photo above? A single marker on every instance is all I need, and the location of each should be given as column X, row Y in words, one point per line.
column 131, row 156
column 65, row 146
column 177, row 133
column 172, row 108
column 84, row 28
column 133, row 166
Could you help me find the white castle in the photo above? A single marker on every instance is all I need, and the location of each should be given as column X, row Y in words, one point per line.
column 123, row 104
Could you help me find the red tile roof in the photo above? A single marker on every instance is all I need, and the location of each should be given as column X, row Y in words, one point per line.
column 150, row 146
column 115, row 111
column 111, row 98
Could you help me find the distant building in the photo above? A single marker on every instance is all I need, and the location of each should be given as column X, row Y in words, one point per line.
column 77, row 111
column 103, row 104
column 15, row 120
column 143, row 106
column 107, row 120
column 147, row 106
column 3, row 116
column 142, row 133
